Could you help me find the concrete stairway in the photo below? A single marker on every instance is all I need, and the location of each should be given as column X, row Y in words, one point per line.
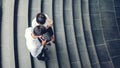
column 87, row 33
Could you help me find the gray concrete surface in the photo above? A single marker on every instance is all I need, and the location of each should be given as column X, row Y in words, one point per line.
column 61, row 47
column 53, row 62
column 70, row 34
column 87, row 33
column 7, row 43
column 22, row 23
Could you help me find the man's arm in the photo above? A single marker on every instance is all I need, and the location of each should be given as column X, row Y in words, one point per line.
column 50, row 30
column 50, row 24
column 38, row 50
column 43, row 43
column 53, row 38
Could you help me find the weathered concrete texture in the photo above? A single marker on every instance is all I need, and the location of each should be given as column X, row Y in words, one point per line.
column 105, row 30
column 70, row 35
column 52, row 62
column 35, row 7
column 21, row 24
column 61, row 48
column 88, row 36
column 7, row 42
column 87, row 33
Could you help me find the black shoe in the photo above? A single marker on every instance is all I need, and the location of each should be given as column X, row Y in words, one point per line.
column 43, row 58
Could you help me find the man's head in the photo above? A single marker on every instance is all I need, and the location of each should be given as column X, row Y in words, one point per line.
column 41, row 18
column 39, row 30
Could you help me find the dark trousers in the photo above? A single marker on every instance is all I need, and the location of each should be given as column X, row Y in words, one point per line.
column 43, row 54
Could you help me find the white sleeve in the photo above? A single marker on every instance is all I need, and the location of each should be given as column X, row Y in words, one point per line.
column 26, row 32
column 47, row 17
column 36, row 52
column 47, row 23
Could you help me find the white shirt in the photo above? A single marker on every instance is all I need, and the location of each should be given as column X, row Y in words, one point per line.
column 34, row 23
column 33, row 45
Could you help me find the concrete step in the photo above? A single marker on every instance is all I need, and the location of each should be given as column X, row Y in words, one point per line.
column 70, row 34
column 88, row 35
column 98, row 18
column 21, row 24
column 79, row 33
column 86, row 32
column 34, row 8
column 7, row 33
column 47, row 9
column 61, row 47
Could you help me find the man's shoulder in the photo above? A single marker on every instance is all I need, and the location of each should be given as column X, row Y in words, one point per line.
column 28, row 32
column 29, row 29
column 34, row 19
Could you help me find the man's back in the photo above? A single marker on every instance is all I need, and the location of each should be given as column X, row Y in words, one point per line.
column 33, row 45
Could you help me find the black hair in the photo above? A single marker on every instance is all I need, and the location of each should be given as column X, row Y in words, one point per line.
column 41, row 18
column 39, row 30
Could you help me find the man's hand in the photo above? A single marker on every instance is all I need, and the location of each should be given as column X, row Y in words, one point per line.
column 50, row 23
column 53, row 38
column 43, row 41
